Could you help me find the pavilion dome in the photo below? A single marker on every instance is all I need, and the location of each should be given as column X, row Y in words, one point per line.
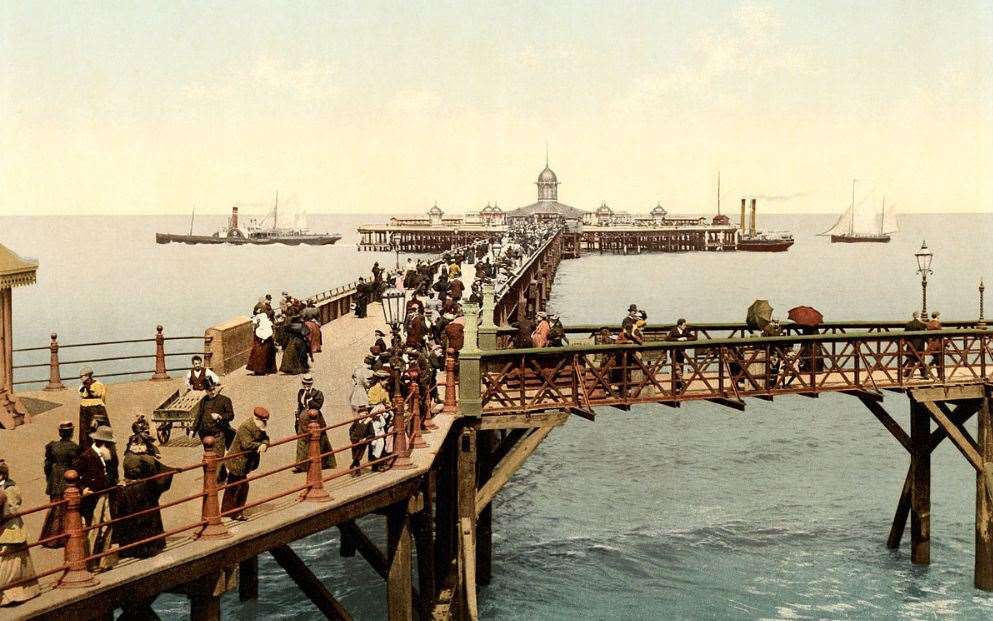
column 547, row 176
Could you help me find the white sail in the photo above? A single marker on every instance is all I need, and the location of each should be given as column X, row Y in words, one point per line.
column 843, row 226
column 887, row 221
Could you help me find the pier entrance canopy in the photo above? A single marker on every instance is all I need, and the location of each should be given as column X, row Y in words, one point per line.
column 14, row 272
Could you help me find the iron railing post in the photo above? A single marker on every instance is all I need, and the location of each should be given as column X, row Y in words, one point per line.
column 54, row 372
column 77, row 575
column 315, row 484
column 160, row 365
column 211, row 511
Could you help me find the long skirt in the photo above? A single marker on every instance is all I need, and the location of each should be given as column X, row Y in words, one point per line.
column 54, row 524
column 234, row 496
column 303, row 444
column 98, row 540
column 294, row 357
column 16, row 565
column 90, row 417
column 262, row 360
column 314, row 338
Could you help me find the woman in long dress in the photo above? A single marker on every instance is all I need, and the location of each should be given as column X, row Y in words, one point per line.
column 15, row 558
column 140, row 493
column 296, row 351
column 262, row 359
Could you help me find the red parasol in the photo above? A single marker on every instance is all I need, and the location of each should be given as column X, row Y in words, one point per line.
column 805, row 316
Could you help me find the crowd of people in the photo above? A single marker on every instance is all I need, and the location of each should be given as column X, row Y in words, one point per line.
column 121, row 494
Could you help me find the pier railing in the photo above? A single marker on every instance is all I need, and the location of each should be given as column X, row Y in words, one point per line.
column 79, row 566
column 727, row 369
column 117, row 358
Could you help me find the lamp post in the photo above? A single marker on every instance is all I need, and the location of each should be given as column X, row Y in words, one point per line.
column 394, row 305
column 924, row 257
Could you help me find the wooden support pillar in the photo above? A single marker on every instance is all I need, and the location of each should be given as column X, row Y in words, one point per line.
column 399, row 589
column 309, row 584
column 444, row 512
column 205, row 599
column 984, row 497
column 248, row 579
column 424, row 545
column 920, row 490
column 484, row 524
column 466, row 479
column 902, row 511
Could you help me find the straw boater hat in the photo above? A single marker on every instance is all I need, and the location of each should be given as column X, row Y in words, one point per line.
column 308, row 379
column 381, row 373
column 85, row 372
column 103, row 434
column 66, row 424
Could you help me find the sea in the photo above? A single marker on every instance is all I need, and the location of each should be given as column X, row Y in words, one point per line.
column 700, row 512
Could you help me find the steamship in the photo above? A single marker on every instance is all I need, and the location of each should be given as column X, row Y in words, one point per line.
column 259, row 232
column 753, row 240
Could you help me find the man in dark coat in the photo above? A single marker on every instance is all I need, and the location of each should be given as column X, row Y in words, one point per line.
column 914, row 348
column 214, row 419
column 310, row 398
column 380, row 343
column 679, row 332
column 60, row 455
column 250, row 442
column 361, row 297
column 377, row 281
column 140, row 493
column 97, row 468
column 358, row 431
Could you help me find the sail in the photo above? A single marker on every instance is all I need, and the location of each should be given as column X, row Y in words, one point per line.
column 844, row 224
column 887, row 220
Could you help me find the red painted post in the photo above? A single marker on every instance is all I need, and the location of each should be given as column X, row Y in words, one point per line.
column 54, row 373
column 77, row 575
column 211, row 512
column 160, row 366
column 315, row 491
column 451, row 405
column 416, row 440
column 402, row 461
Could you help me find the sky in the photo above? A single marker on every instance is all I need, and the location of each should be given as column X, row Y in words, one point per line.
column 372, row 107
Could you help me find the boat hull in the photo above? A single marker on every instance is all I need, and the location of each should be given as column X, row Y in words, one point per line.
column 779, row 245
column 859, row 239
column 309, row 240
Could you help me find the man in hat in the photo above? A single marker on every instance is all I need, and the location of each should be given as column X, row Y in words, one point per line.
column 310, row 398
column 97, row 468
column 358, row 431
column 214, row 419
column 250, row 442
column 361, row 297
column 60, row 455
column 679, row 332
column 380, row 342
column 199, row 376
column 92, row 406
column 628, row 323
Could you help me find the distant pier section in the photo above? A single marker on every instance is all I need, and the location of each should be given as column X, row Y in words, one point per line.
column 601, row 231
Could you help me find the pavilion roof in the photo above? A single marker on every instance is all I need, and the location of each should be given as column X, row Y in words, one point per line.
column 15, row 270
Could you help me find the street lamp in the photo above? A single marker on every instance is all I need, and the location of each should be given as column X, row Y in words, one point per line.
column 982, row 294
column 394, row 307
column 924, row 257
column 395, row 245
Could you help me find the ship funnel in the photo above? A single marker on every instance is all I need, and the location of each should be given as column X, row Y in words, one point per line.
column 234, row 217
column 741, row 222
column 752, row 226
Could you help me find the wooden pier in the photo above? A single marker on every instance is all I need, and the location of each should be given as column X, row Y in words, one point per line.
column 500, row 407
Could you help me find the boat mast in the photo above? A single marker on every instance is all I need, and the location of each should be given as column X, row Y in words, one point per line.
column 275, row 212
column 882, row 217
column 192, row 218
column 718, row 192
column 851, row 221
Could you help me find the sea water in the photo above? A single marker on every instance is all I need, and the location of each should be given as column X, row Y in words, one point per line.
column 780, row 511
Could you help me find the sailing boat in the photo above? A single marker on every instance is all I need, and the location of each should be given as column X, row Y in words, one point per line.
column 855, row 226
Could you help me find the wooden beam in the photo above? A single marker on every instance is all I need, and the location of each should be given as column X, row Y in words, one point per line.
column 891, row 425
column 466, row 466
column 621, row 406
column 920, row 490
column 310, row 584
column 420, row 523
column 983, row 574
column 902, row 512
column 469, row 567
column 734, row 404
column 955, row 392
column 587, row 414
column 762, row 397
column 864, row 394
column 809, row 394
column 523, row 421
column 371, row 553
column 248, row 579
column 399, row 575
column 205, row 598
column 509, row 465
column 957, row 435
